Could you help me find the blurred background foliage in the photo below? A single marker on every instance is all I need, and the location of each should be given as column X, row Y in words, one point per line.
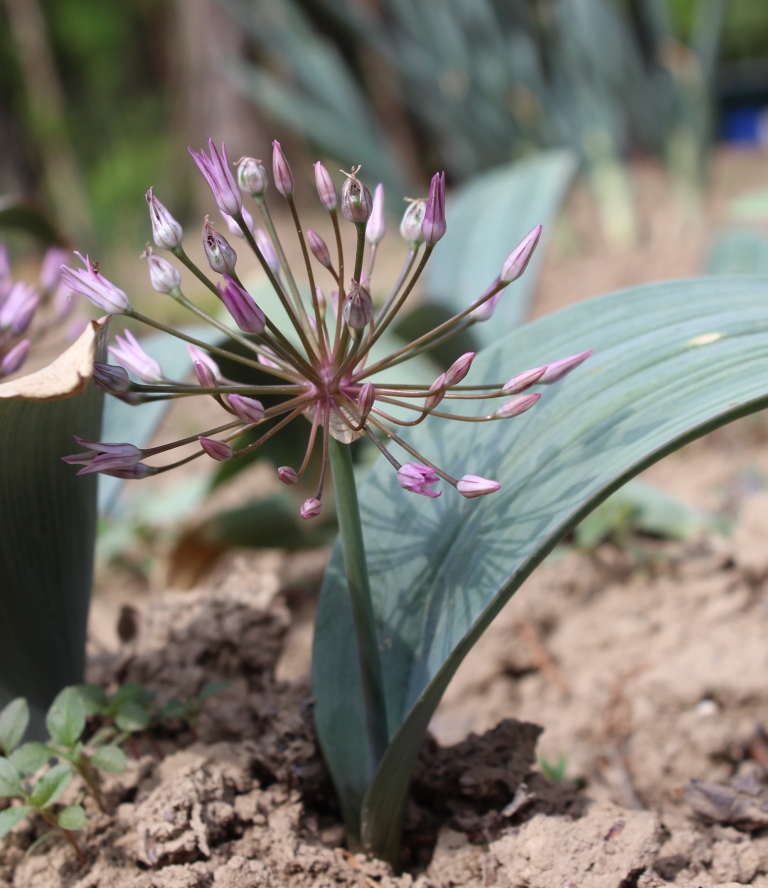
column 99, row 100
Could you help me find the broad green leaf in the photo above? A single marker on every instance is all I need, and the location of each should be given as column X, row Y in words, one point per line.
column 132, row 716
column 175, row 708
column 50, row 786
column 13, row 723
column 10, row 817
column 94, row 698
column 47, row 527
column 109, row 758
column 30, row 757
column 73, row 818
column 486, row 220
column 672, row 361
column 66, row 718
column 10, row 782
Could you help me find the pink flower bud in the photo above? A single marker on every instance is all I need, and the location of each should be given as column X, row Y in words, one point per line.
column 204, row 375
column 281, row 172
column 485, row 309
column 220, row 255
column 267, row 250
column 517, row 261
column 358, row 307
column 319, row 248
column 18, row 309
column 523, row 380
column 366, row 399
column 459, row 369
column 252, row 176
column 516, row 406
column 111, row 379
column 377, row 224
column 216, row 172
column 356, row 200
column 558, row 369
column 103, row 457
column 326, row 190
column 249, row 410
column 247, row 315
column 166, row 231
column 234, row 227
column 163, row 276
column 433, row 227
column 410, row 227
column 417, row 478
column 435, row 394
column 287, row 475
column 88, row 282
column 132, row 356
column 311, row 508
column 14, row 358
column 218, row 450
column 199, row 356
column 50, row 269
column 471, row 486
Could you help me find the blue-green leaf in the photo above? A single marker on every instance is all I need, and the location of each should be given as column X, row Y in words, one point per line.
column 10, row 782
column 10, row 817
column 50, row 786
column 14, row 719
column 66, row 718
column 672, row 361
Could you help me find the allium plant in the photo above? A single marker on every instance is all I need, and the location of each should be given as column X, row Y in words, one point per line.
column 319, row 362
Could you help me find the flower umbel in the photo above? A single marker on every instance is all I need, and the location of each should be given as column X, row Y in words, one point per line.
column 318, row 365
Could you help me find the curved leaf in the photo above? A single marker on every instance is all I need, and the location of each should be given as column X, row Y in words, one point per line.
column 18, row 211
column 673, row 361
column 486, row 219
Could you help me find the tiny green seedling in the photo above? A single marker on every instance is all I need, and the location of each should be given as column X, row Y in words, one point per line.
column 554, row 771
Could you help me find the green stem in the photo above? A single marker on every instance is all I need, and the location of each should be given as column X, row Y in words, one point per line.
column 351, row 533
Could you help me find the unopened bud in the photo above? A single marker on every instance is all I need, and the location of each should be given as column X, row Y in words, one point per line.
column 356, row 200
column 459, row 369
column 435, row 394
column 377, row 224
column 433, row 227
column 358, row 307
column 166, row 231
column 558, row 369
column 471, row 486
column 221, row 257
column 163, row 276
column 204, row 375
column 249, row 410
column 486, row 305
column 319, row 248
column 281, row 171
column 366, row 399
column 410, row 227
column 311, row 508
column 14, row 358
column 287, row 475
column 516, row 406
column 218, row 450
column 111, row 379
column 517, row 261
column 267, row 250
column 240, row 304
column 326, row 190
column 523, row 380
column 252, row 176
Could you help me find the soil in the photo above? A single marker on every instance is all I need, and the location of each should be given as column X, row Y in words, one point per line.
column 610, row 730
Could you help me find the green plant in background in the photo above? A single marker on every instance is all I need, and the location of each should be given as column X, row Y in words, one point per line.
column 46, row 554
column 414, row 581
column 471, row 85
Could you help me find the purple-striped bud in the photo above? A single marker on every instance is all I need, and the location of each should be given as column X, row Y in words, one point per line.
column 14, row 358
column 558, row 369
column 88, row 282
column 220, row 255
column 433, row 227
column 218, row 450
column 204, row 375
column 18, row 309
column 166, row 231
column 471, row 486
column 486, row 308
column 163, row 276
column 281, row 171
column 523, row 381
column 365, row 399
column 377, row 224
column 311, row 508
column 287, row 475
column 247, row 315
column 326, row 190
column 358, row 307
column 249, row 410
column 516, row 406
column 50, row 269
column 410, row 227
column 216, row 172
column 103, row 457
column 356, row 200
column 201, row 357
column 267, row 248
column 265, row 361
column 319, row 248
column 252, row 176
column 517, row 261
column 132, row 356
column 111, row 379
column 417, row 478
column 459, row 369
column 435, row 394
